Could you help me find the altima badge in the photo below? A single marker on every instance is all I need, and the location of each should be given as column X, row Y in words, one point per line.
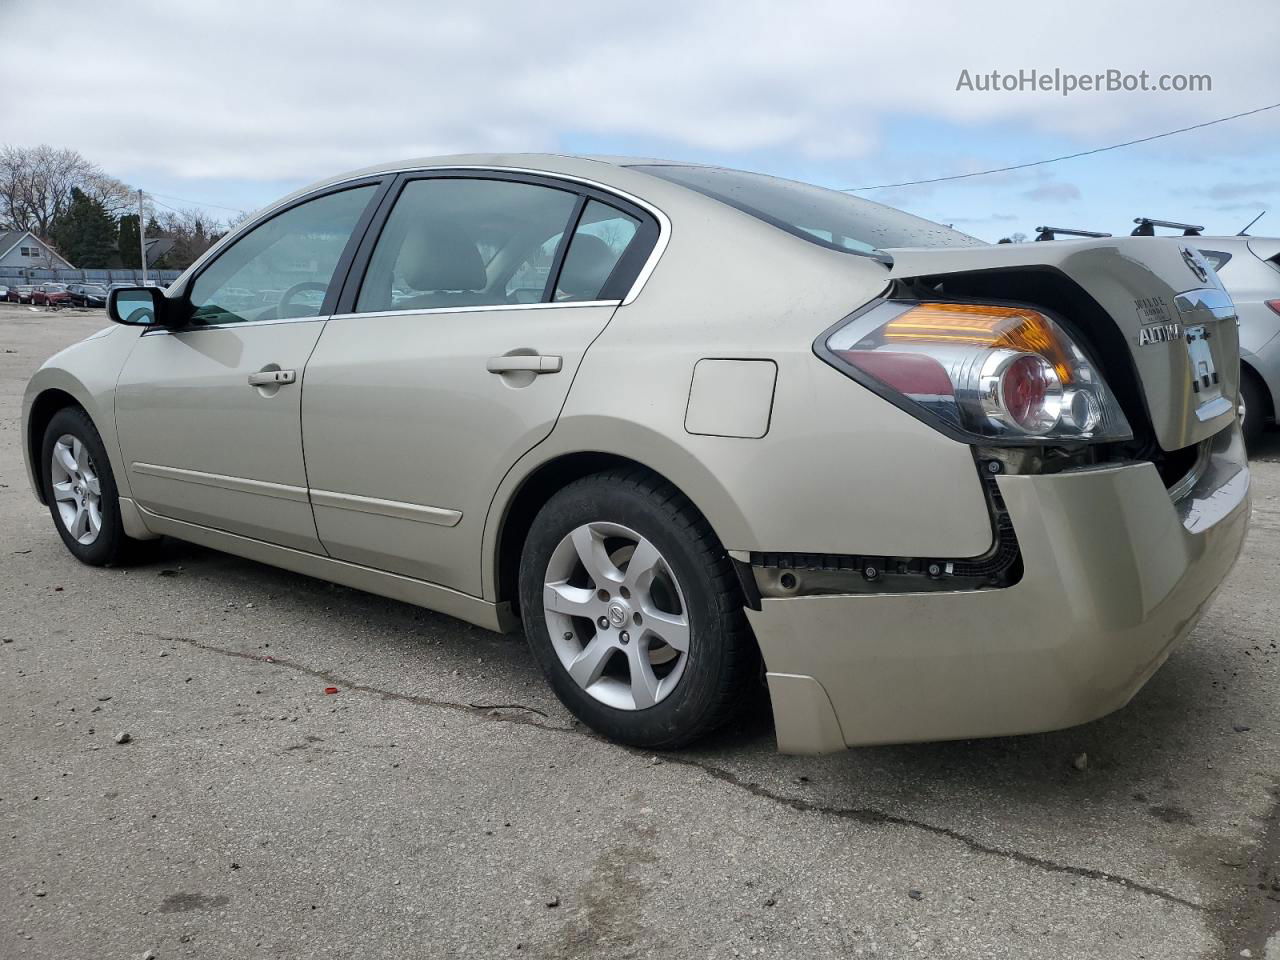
column 1159, row 333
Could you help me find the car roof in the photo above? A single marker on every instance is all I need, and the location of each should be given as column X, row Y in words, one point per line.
column 612, row 171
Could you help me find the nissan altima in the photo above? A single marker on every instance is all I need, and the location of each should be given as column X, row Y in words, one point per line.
column 686, row 426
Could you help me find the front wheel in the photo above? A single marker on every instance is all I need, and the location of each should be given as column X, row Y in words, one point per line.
column 80, row 490
column 631, row 607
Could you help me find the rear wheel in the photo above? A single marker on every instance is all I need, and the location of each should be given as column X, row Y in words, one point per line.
column 1254, row 398
column 80, row 490
column 631, row 607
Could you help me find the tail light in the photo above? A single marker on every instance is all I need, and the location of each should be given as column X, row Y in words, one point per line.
column 1274, row 305
column 1009, row 374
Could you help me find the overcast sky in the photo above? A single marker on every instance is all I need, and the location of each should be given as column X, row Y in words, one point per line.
column 234, row 103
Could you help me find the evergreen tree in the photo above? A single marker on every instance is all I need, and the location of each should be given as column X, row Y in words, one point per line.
column 127, row 248
column 154, row 232
column 84, row 233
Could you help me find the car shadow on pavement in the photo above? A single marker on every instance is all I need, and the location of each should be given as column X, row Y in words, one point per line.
column 1138, row 754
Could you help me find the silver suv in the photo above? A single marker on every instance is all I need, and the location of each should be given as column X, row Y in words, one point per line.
column 1250, row 270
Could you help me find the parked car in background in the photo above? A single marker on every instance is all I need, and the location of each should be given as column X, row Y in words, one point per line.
column 1249, row 269
column 939, row 488
column 4, row 291
column 50, row 295
column 21, row 293
column 87, row 295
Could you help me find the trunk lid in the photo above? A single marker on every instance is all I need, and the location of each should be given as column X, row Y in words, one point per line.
column 1166, row 300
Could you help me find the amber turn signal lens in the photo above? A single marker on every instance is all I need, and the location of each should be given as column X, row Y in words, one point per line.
column 980, row 325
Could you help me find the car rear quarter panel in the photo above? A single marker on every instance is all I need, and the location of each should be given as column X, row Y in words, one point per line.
column 840, row 469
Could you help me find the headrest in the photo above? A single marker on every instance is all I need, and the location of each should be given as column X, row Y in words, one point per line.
column 587, row 267
column 439, row 255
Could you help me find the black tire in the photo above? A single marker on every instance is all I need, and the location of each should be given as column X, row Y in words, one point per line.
column 723, row 661
column 1256, row 407
column 112, row 546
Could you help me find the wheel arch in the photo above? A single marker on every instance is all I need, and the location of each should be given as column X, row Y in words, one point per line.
column 44, row 406
column 521, row 497
column 1247, row 369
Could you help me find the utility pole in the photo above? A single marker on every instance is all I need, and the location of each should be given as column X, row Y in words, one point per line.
column 142, row 237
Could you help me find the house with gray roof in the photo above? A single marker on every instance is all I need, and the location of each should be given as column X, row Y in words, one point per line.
column 22, row 248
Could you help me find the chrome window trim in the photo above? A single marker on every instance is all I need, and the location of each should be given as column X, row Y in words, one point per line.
column 235, row 325
column 493, row 307
column 160, row 331
column 659, row 246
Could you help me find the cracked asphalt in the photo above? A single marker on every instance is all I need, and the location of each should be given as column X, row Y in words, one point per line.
column 442, row 804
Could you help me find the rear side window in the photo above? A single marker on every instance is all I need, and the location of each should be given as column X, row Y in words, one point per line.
column 603, row 236
column 460, row 242
column 1217, row 258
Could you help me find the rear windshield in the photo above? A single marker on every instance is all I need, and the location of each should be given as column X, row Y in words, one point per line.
column 825, row 217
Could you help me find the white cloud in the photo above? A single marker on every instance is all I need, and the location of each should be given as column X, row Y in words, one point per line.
column 289, row 90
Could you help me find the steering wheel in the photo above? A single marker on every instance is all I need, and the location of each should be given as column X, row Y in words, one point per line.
column 297, row 288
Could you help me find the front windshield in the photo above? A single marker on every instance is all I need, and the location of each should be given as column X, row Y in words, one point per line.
column 825, row 217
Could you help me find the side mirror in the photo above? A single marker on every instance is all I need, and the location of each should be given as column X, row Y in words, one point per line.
column 136, row 306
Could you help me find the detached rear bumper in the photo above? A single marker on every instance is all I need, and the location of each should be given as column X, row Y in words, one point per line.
column 1115, row 575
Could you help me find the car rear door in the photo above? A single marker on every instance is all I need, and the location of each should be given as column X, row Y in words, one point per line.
column 208, row 413
column 467, row 314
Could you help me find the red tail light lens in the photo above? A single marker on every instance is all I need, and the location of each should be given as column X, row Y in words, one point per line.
column 1274, row 305
column 1029, row 393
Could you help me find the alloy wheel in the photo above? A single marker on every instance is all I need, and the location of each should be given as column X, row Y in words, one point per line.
column 77, row 492
column 616, row 616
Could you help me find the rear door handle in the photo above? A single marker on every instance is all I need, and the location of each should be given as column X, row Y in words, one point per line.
column 532, row 364
column 272, row 378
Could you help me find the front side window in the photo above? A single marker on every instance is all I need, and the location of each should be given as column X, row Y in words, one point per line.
column 283, row 267
column 461, row 242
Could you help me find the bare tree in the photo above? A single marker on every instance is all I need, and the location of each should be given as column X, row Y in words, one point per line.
column 116, row 196
column 192, row 232
column 36, row 182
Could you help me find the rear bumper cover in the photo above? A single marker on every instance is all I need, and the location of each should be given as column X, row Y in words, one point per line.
column 1115, row 575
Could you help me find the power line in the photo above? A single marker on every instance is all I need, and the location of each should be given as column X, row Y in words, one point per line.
column 198, row 203
column 161, row 203
column 1068, row 156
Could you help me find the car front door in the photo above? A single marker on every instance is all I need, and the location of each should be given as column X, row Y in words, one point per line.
column 452, row 357
column 208, row 411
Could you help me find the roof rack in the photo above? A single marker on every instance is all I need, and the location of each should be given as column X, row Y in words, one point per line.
column 1051, row 233
column 1146, row 227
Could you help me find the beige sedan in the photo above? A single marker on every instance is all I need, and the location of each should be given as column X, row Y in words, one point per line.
column 687, row 426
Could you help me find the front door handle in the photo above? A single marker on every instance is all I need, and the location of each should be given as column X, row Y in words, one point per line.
column 272, row 378
column 533, row 363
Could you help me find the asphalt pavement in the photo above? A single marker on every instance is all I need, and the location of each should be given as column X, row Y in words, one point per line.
column 441, row 803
